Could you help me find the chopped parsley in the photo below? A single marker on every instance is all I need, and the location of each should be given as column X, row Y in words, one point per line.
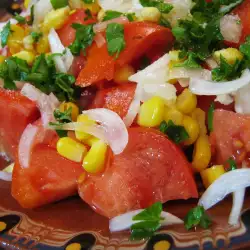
column 36, row 36
column 159, row 4
column 88, row 1
column 5, row 34
column 111, row 14
column 197, row 217
column 148, row 222
column 210, row 117
column 30, row 22
column 232, row 164
column 57, row 4
column 191, row 62
column 115, row 39
column 176, row 133
column 245, row 50
column 84, row 38
column 20, row 19
column 89, row 15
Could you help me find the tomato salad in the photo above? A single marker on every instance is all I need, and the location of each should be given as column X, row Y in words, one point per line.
column 125, row 103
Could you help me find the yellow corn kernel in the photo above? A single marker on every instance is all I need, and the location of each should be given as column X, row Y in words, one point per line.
column 94, row 161
column 174, row 55
column 171, row 113
column 74, row 109
column 71, row 149
column 43, row 45
column 100, row 15
column 26, row 4
column 151, row 112
column 202, row 153
column 2, row 59
column 200, row 116
column 186, row 102
column 192, row 128
column 150, row 14
column 93, row 7
column 230, row 55
column 122, row 74
column 15, row 39
column 28, row 56
column 82, row 136
column 10, row 168
column 211, row 174
column 91, row 140
column 55, row 19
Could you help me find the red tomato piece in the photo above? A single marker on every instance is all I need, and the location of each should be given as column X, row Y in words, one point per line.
column 67, row 33
column 151, row 169
column 16, row 113
column 243, row 11
column 139, row 38
column 228, row 127
column 117, row 99
column 49, row 178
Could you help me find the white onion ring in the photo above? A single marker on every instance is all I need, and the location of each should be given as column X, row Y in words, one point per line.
column 125, row 221
column 203, row 87
column 99, row 39
column 5, row 176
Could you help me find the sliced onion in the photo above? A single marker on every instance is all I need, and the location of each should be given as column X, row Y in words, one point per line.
column 111, row 130
column 212, row 64
column 238, row 201
column 228, row 183
column 231, row 28
column 100, row 40
column 125, row 221
column 117, row 5
column 202, row 87
column 5, row 176
column 99, row 27
column 26, row 145
column 184, row 82
column 179, row 72
column 63, row 62
column 242, row 100
column 224, row 99
column 4, row 50
column 46, row 103
column 41, row 9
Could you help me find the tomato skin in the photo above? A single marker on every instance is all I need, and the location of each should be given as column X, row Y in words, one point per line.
column 49, row 178
column 243, row 11
column 67, row 33
column 16, row 112
column 117, row 99
column 139, row 38
column 144, row 173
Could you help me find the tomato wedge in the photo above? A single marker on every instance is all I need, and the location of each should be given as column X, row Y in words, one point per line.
column 67, row 33
column 151, row 169
column 139, row 38
column 16, row 113
column 117, row 99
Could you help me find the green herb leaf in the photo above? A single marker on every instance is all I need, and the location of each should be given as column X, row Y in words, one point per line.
column 89, row 15
column 111, row 14
column 210, row 117
column 20, row 19
column 149, row 222
column 226, row 71
column 30, row 22
column 84, row 38
column 232, row 164
column 5, row 34
column 36, row 36
column 197, row 217
column 191, row 62
column 57, row 4
column 88, row 1
column 159, row 4
column 115, row 38
column 174, row 132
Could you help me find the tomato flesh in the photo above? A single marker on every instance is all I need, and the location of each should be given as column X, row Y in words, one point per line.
column 151, row 169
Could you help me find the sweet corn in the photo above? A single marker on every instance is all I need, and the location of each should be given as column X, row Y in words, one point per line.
column 151, row 112
column 71, row 149
column 94, row 161
column 82, row 136
column 15, row 39
column 192, row 128
column 150, row 14
column 200, row 116
column 26, row 3
column 122, row 74
column 91, row 140
column 100, row 15
column 171, row 113
column 74, row 109
column 93, row 7
column 28, row 56
column 186, row 102
column 202, row 153
column 10, row 168
column 55, row 19
column 211, row 174
column 2, row 59
column 43, row 45
column 230, row 55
